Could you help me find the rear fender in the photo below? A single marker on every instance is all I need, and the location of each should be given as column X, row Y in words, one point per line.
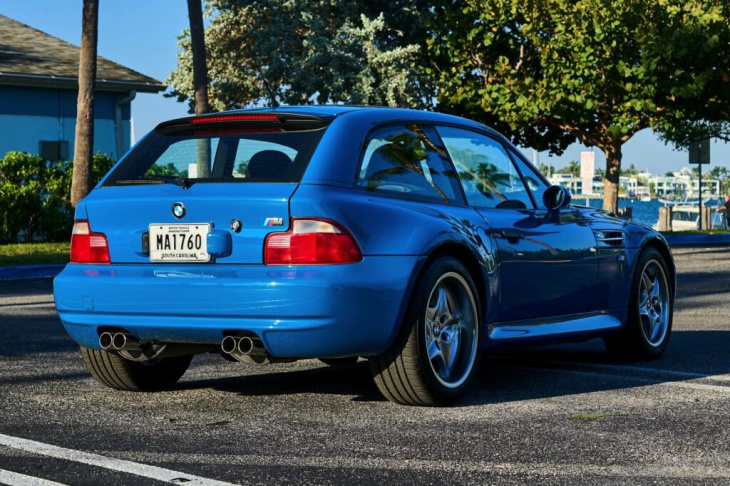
column 392, row 226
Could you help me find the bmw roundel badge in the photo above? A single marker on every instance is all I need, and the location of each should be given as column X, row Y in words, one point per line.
column 178, row 210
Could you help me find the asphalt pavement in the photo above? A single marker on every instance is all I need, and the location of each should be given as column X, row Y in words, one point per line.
column 554, row 415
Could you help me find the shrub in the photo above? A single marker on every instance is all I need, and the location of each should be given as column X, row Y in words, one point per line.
column 35, row 196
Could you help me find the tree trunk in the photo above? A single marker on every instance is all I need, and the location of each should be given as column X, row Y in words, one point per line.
column 200, row 79
column 611, row 179
column 84, row 142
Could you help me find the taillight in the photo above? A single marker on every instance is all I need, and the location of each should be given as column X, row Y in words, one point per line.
column 88, row 247
column 311, row 242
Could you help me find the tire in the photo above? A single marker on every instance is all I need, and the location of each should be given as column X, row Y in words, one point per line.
column 648, row 322
column 404, row 373
column 112, row 370
column 339, row 361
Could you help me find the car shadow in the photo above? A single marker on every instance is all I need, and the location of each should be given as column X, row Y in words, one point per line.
column 546, row 372
column 351, row 379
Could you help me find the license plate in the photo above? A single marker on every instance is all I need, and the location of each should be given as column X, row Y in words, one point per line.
column 179, row 242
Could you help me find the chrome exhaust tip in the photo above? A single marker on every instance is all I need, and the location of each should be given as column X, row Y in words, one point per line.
column 229, row 344
column 245, row 345
column 119, row 341
column 106, row 340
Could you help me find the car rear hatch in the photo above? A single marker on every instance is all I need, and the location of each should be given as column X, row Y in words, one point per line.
column 204, row 189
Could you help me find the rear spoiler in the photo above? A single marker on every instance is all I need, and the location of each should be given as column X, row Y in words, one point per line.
column 242, row 121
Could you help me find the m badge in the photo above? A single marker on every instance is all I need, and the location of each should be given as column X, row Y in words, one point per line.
column 274, row 222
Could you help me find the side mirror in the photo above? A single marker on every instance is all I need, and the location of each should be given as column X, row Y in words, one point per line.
column 555, row 198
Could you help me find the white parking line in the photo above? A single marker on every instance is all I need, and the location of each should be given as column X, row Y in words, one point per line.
column 647, row 381
column 624, row 473
column 11, row 478
column 608, row 367
column 686, row 374
column 129, row 467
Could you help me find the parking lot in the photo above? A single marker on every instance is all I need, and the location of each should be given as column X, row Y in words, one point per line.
column 557, row 415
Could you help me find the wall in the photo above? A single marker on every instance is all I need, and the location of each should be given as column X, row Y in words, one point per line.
column 29, row 115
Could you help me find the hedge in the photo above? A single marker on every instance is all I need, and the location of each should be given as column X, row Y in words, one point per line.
column 35, row 196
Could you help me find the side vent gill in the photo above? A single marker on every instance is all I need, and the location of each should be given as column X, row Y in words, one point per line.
column 610, row 239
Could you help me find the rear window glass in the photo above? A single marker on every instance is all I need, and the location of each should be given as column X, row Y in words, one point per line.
column 228, row 156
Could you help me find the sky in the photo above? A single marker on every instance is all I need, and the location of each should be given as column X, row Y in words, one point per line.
column 142, row 35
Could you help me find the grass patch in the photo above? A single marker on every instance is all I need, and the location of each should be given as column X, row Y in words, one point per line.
column 34, row 254
column 593, row 416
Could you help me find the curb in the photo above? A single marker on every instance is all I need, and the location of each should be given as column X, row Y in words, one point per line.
column 699, row 240
column 30, row 271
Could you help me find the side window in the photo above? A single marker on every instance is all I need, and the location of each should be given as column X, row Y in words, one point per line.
column 489, row 177
column 534, row 182
column 403, row 160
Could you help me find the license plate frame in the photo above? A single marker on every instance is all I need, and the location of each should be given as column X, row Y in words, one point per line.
column 182, row 233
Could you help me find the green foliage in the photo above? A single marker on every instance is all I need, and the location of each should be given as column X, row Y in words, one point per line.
column 35, row 196
column 164, row 170
column 22, row 178
column 573, row 168
column 310, row 51
column 554, row 72
column 630, row 172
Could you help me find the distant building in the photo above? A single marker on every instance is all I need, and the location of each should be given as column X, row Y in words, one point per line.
column 683, row 184
column 39, row 89
column 572, row 184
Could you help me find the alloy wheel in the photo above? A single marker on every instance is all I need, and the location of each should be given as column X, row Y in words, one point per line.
column 452, row 330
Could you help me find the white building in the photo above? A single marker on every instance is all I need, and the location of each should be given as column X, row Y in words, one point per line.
column 572, row 184
column 683, row 184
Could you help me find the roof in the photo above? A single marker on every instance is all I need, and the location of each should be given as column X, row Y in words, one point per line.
column 328, row 113
column 30, row 57
column 377, row 114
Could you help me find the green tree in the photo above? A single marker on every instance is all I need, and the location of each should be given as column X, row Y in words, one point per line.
column 310, row 51
column 573, row 168
column 631, row 171
column 554, row 72
column 546, row 169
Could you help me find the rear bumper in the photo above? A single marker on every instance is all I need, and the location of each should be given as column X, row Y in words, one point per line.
column 316, row 311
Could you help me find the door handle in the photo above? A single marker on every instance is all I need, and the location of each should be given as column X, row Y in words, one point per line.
column 512, row 234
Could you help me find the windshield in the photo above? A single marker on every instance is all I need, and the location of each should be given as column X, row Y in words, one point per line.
column 238, row 155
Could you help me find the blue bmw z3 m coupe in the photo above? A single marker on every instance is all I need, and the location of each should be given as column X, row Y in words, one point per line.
column 416, row 240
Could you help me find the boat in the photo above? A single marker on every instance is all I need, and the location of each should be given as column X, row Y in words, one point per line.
column 645, row 198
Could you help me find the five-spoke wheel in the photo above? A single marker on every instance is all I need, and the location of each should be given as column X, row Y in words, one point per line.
column 654, row 303
column 649, row 320
column 437, row 353
column 451, row 330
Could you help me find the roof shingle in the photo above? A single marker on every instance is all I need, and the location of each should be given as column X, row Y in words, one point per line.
column 29, row 56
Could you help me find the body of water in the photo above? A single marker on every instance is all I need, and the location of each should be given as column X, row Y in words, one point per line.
column 646, row 212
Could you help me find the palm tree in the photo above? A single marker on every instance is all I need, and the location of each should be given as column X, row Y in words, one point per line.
column 81, row 182
column 574, row 168
column 200, row 79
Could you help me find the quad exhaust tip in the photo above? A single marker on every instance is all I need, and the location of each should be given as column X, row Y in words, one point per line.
column 229, row 344
column 245, row 346
column 117, row 341
column 106, row 339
